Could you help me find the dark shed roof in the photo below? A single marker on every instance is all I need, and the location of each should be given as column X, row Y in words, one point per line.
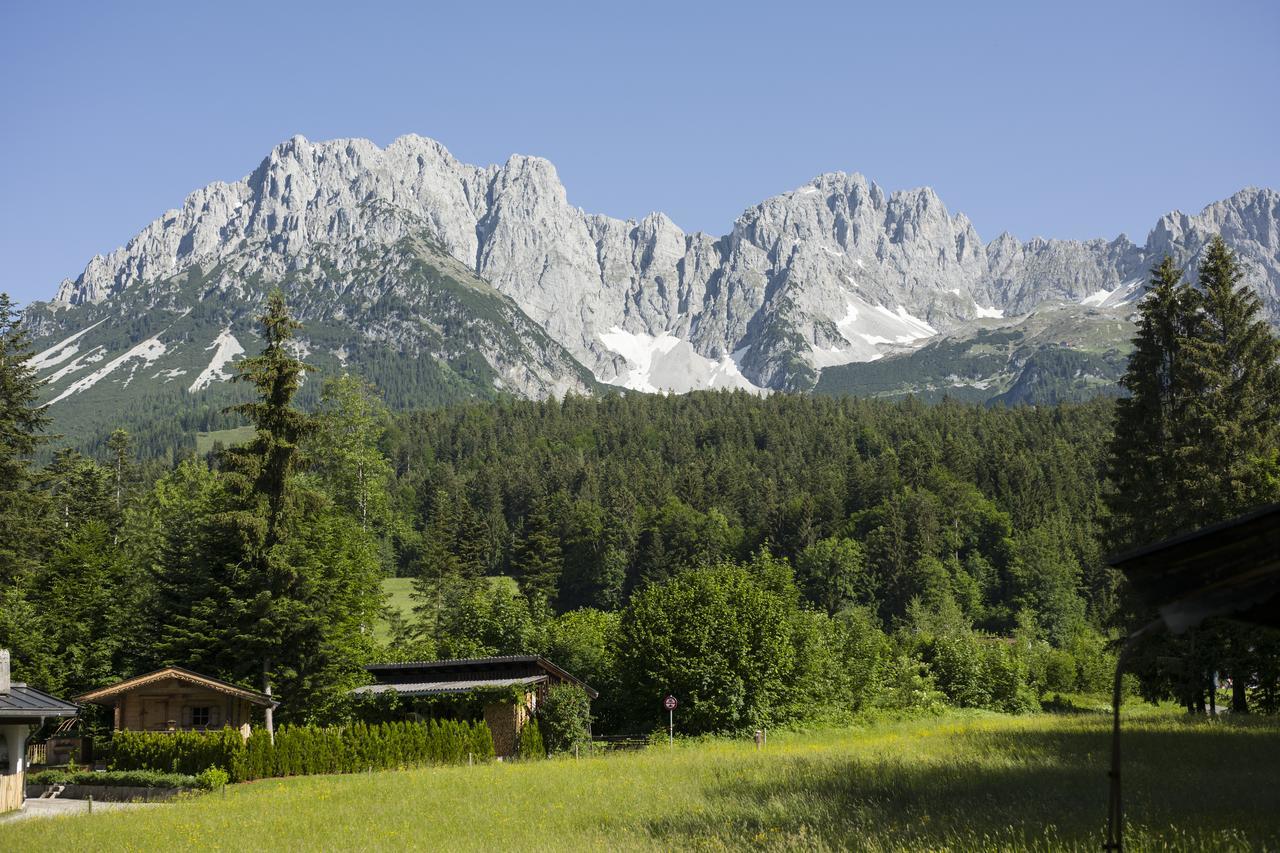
column 27, row 704
column 441, row 688
column 492, row 669
column 1227, row 569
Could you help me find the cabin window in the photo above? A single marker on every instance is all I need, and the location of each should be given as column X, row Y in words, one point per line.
column 200, row 717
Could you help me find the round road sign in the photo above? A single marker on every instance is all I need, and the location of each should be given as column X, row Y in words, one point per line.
column 670, row 703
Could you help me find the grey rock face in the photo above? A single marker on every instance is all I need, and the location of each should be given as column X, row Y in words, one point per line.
column 834, row 272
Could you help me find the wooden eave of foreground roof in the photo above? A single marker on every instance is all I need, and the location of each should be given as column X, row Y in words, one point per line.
column 1231, row 568
column 106, row 695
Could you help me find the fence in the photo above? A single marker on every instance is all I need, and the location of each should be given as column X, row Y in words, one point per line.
column 37, row 753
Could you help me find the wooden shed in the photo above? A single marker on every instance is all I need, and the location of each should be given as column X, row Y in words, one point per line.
column 21, row 707
column 529, row 675
column 177, row 699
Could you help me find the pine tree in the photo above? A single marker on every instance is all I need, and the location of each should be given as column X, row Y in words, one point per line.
column 22, row 424
column 266, row 462
column 1196, row 442
column 1234, row 419
column 1146, row 453
column 120, row 445
column 538, row 562
column 264, row 575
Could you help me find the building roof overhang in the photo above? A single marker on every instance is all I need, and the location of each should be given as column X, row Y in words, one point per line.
column 23, row 704
column 387, row 672
column 1227, row 569
column 442, row 688
column 107, row 695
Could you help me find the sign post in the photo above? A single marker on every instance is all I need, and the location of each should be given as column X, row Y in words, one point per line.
column 670, row 704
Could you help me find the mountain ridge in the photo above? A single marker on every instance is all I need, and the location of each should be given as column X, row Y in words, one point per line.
column 834, row 274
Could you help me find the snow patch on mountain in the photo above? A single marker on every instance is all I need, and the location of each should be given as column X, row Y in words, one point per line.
column 1117, row 296
column 867, row 329
column 665, row 363
column 147, row 351
column 225, row 347
column 992, row 313
column 62, row 350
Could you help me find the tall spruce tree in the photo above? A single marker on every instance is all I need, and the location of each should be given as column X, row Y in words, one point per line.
column 1233, row 422
column 22, row 425
column 1196, row 442
column 1146, row 453
column 265, row 463
column 538, row 561
column 264, row 575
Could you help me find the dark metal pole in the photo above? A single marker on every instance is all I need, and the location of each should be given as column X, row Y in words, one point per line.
column 1115, row 809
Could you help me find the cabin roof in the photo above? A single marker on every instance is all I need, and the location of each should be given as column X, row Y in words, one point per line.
column 1231, row 568
column 437, row 688
column 105, row 695
column 499, row 668
column 27, row 703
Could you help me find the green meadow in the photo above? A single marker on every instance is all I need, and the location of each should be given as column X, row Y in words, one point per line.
column 398, row 595
column 964, row 782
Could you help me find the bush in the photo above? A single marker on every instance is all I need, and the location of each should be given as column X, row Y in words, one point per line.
column 1059, row 672
column 957, row 666
column 719, row 638
column 179, row 752
column 126, row 779
column 565, row 718
column 908, row 686
column 531, row 746
column 212, row 778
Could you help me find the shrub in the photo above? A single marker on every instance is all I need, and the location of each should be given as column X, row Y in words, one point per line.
column 908, row 686
column 177, row 752
column 125, row 779
column 1059, row 672
column 212, row 778
column 531, row 745
column 957, row 666
column 565, row 718
column 717, row 638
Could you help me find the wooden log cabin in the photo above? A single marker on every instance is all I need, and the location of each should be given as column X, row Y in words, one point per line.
column 176, row 699
column 21, row 708
column 528, row 675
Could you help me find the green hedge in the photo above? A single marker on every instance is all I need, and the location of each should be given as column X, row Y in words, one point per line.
column 305, row 750
column 127, row 779
column 179, row 752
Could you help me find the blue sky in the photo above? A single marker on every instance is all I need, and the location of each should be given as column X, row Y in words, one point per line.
column 1060, row 119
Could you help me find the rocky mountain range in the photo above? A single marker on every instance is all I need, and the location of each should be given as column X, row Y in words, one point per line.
column 441, row 280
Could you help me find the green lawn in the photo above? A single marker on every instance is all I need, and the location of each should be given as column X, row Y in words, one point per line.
column 956, row 782
column 399, row 592
column 228, row 437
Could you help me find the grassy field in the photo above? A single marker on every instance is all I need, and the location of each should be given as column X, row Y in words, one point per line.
column 399, row 592
column 956, row 782
column 228, row 437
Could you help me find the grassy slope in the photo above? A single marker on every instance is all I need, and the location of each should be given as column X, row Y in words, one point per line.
column 399, row 597
column 228, row 437
column 964, row 782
